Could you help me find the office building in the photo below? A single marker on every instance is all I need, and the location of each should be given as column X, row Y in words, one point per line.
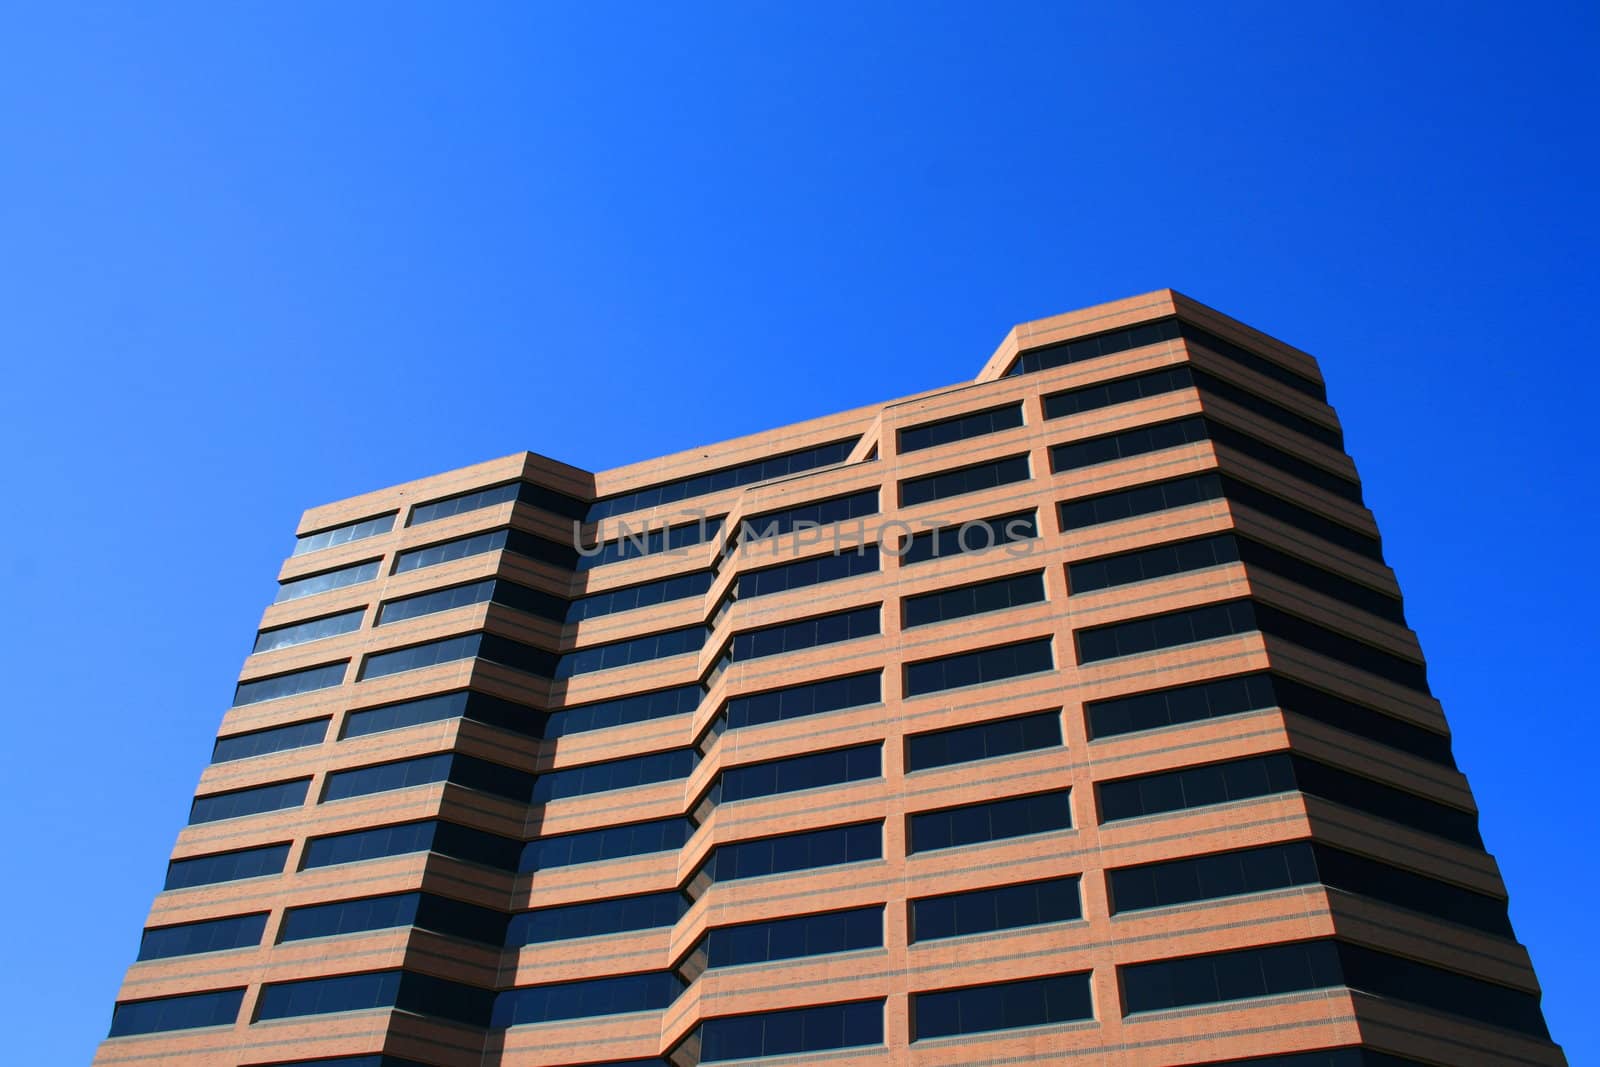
column 1069, row 716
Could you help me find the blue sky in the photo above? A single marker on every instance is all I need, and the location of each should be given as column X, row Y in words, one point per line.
column 261, row 257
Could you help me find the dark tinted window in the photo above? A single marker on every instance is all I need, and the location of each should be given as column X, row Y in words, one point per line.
column 276, row 739
column 996, row 820
column 796, row 852
column 613, row 842
column 1227, row 976
column 1169, row 630
column 975, row 535
column 360, row 845
column 446, row 551
column 1193, row 787
column 1140, row 500
column 1093, row 347
column 783, row 939
column 1147, row 563
column 678, row 587
column 820, row 513
column 976, row 599
column 1135, row 442
column 238, row 803
column 349, row 916
column 217, row 935
column 176, row 1013
column 1338, row 484
column 636, row 650
column 727, row 478
column 960, row 428
column 982, row 911
column 813, row 698
column 584, row 999
column 1121, row 391
column 321, row 996
column 808, row 633
column 814, row 571
column 810, row 771
column 616, row 774
column 791, row 1033
column 343, row 535
column 226, row 866
column 1302, row 519
column 962, row 480
column 288, row 685
column 985, row 740
column 986, row 665
column 1004, row 1006
column 413, row 607
column 303, row 633
column 641, row 708
column 342, row 578
column 617, row 915
column 401, row 774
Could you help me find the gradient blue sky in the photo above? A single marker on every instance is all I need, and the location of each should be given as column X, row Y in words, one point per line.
column 259, row 257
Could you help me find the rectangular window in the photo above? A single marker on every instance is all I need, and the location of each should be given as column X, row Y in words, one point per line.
column 1121, row 391
column 238, row 803
column 1146, row 564
column 622, row 711
column 449, row 551
column 477, row 707
column 1194, row 335
column 1007, row 907
column 787, row 939
column 1195, row 787
column 588, row 998
column 1287, row 462
column 189, row 1012
column 974, row 668
column 997, row 820
column 1309, row 635
column 343, row 535
column 761, row 470
column 1180, row 704
column 1211, row 877
column 793, row 1032
column 649, row 911
column 820, row 513
column 217, row 935
column 431, row 603
column 960, row 428
column 813, row 698
column 490, row 647
column 985, row 740
column 811, row 771
column 976, row 599
column 1126, row 444
column 795, row 852
column 1172, row 629
column 808, row 633
column 1003, row 1006
column 808, row 572
column 407, row 991
column 349, row 917
column 678, row 587
column 462, row 503
column 975, row 535
column 647, row 541
column 294, row 683
column 1227, row 976
column 276, row 739
column 962, row 480
column 612, row 842
column 386, row 777
column 1094, row 346
column 627, row 653
column 1140, row 500
column 1322, row 580
column 647, row 769
column 303, row 633
column 1302, row 519
column 226, row 867
column 327, row 581
column 447, row 839
column 1211, row 385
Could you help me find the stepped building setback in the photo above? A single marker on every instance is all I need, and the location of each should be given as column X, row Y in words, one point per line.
column 1065, row 716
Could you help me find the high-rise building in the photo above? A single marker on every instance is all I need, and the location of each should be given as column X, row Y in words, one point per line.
column 1066, row 716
